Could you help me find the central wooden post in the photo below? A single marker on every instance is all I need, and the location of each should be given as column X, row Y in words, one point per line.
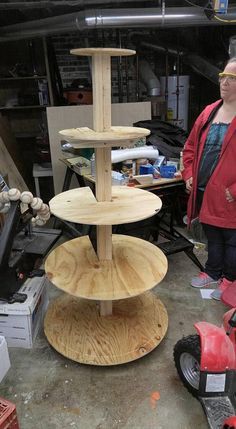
column 101, row 74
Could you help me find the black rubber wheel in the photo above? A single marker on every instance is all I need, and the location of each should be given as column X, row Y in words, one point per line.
column 187, row 355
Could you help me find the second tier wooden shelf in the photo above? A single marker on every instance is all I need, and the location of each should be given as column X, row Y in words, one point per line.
column 127, row 205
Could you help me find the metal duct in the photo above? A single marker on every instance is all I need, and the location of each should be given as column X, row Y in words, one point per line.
column 232, row 47
column 149, row 78
column 113, row 18
column 197, row 63
column 39, row 27
column 150, row 17
column 162, row 49
column 43, row 4
column 202, row 67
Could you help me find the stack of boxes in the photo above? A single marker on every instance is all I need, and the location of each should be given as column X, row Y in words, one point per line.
column 20, row 322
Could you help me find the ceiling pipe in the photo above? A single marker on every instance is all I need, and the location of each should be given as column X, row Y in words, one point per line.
column 113, row 18
column 29, row 5
column 44, row 4
column 149, row 17
column 40, row 27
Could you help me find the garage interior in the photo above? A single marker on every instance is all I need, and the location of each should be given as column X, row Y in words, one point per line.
column 45, row 89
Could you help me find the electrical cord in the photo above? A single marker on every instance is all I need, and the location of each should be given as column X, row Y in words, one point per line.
column 210, row 9
column 197, row 5
column 223, row 20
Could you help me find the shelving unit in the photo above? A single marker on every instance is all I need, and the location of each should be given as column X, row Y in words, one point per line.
column 12, row 79
column 108, row 315
column 25, row 93
column 24, row 107
column 29, row 66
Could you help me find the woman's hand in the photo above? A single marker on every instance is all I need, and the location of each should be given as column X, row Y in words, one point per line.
column 189, row 184
column 228, row 196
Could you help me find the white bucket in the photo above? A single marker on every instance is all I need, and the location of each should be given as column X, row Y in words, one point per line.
column 4, row 358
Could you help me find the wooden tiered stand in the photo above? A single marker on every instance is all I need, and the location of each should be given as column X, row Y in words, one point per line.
column 95, row 323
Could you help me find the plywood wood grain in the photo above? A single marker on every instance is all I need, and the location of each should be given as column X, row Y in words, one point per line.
column 62, row 117
column 136, row 266
column 127, row 205
column 75, row 329
column 101, row 79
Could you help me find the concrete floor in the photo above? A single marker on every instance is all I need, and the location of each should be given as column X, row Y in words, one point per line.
column 51, row 392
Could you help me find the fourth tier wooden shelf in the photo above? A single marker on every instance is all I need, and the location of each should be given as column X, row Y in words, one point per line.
column 108, row 314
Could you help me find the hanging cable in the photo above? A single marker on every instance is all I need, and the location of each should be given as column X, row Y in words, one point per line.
column 223, row 20
column 210, row 9
column 197, row 5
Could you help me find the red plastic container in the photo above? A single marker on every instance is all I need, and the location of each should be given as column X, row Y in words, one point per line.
column 8, row 417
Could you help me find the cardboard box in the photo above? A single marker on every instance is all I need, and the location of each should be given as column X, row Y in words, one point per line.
column 80, row 165
column 4, row 358
column 144, row 179
column 20, row 322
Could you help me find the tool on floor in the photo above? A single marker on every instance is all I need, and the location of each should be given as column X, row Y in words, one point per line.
column 206, row 364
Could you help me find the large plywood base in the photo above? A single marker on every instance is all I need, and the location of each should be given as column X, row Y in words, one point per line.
column 75, row 329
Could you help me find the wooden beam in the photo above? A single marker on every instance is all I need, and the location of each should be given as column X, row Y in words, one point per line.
column 7, row 166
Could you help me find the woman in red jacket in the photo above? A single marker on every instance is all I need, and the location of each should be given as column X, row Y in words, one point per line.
column 210, row 174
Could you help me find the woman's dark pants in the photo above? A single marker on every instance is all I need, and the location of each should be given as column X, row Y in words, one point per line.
column 221, row 252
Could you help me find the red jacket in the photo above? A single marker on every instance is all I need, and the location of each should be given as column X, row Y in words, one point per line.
column 215, row 210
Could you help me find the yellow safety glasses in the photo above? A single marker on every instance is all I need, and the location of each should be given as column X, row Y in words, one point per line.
column 229, row 77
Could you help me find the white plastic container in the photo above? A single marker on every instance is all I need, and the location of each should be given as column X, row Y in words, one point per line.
column 4, row 358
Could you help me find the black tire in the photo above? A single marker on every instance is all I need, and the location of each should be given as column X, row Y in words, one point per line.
column 187, row 355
